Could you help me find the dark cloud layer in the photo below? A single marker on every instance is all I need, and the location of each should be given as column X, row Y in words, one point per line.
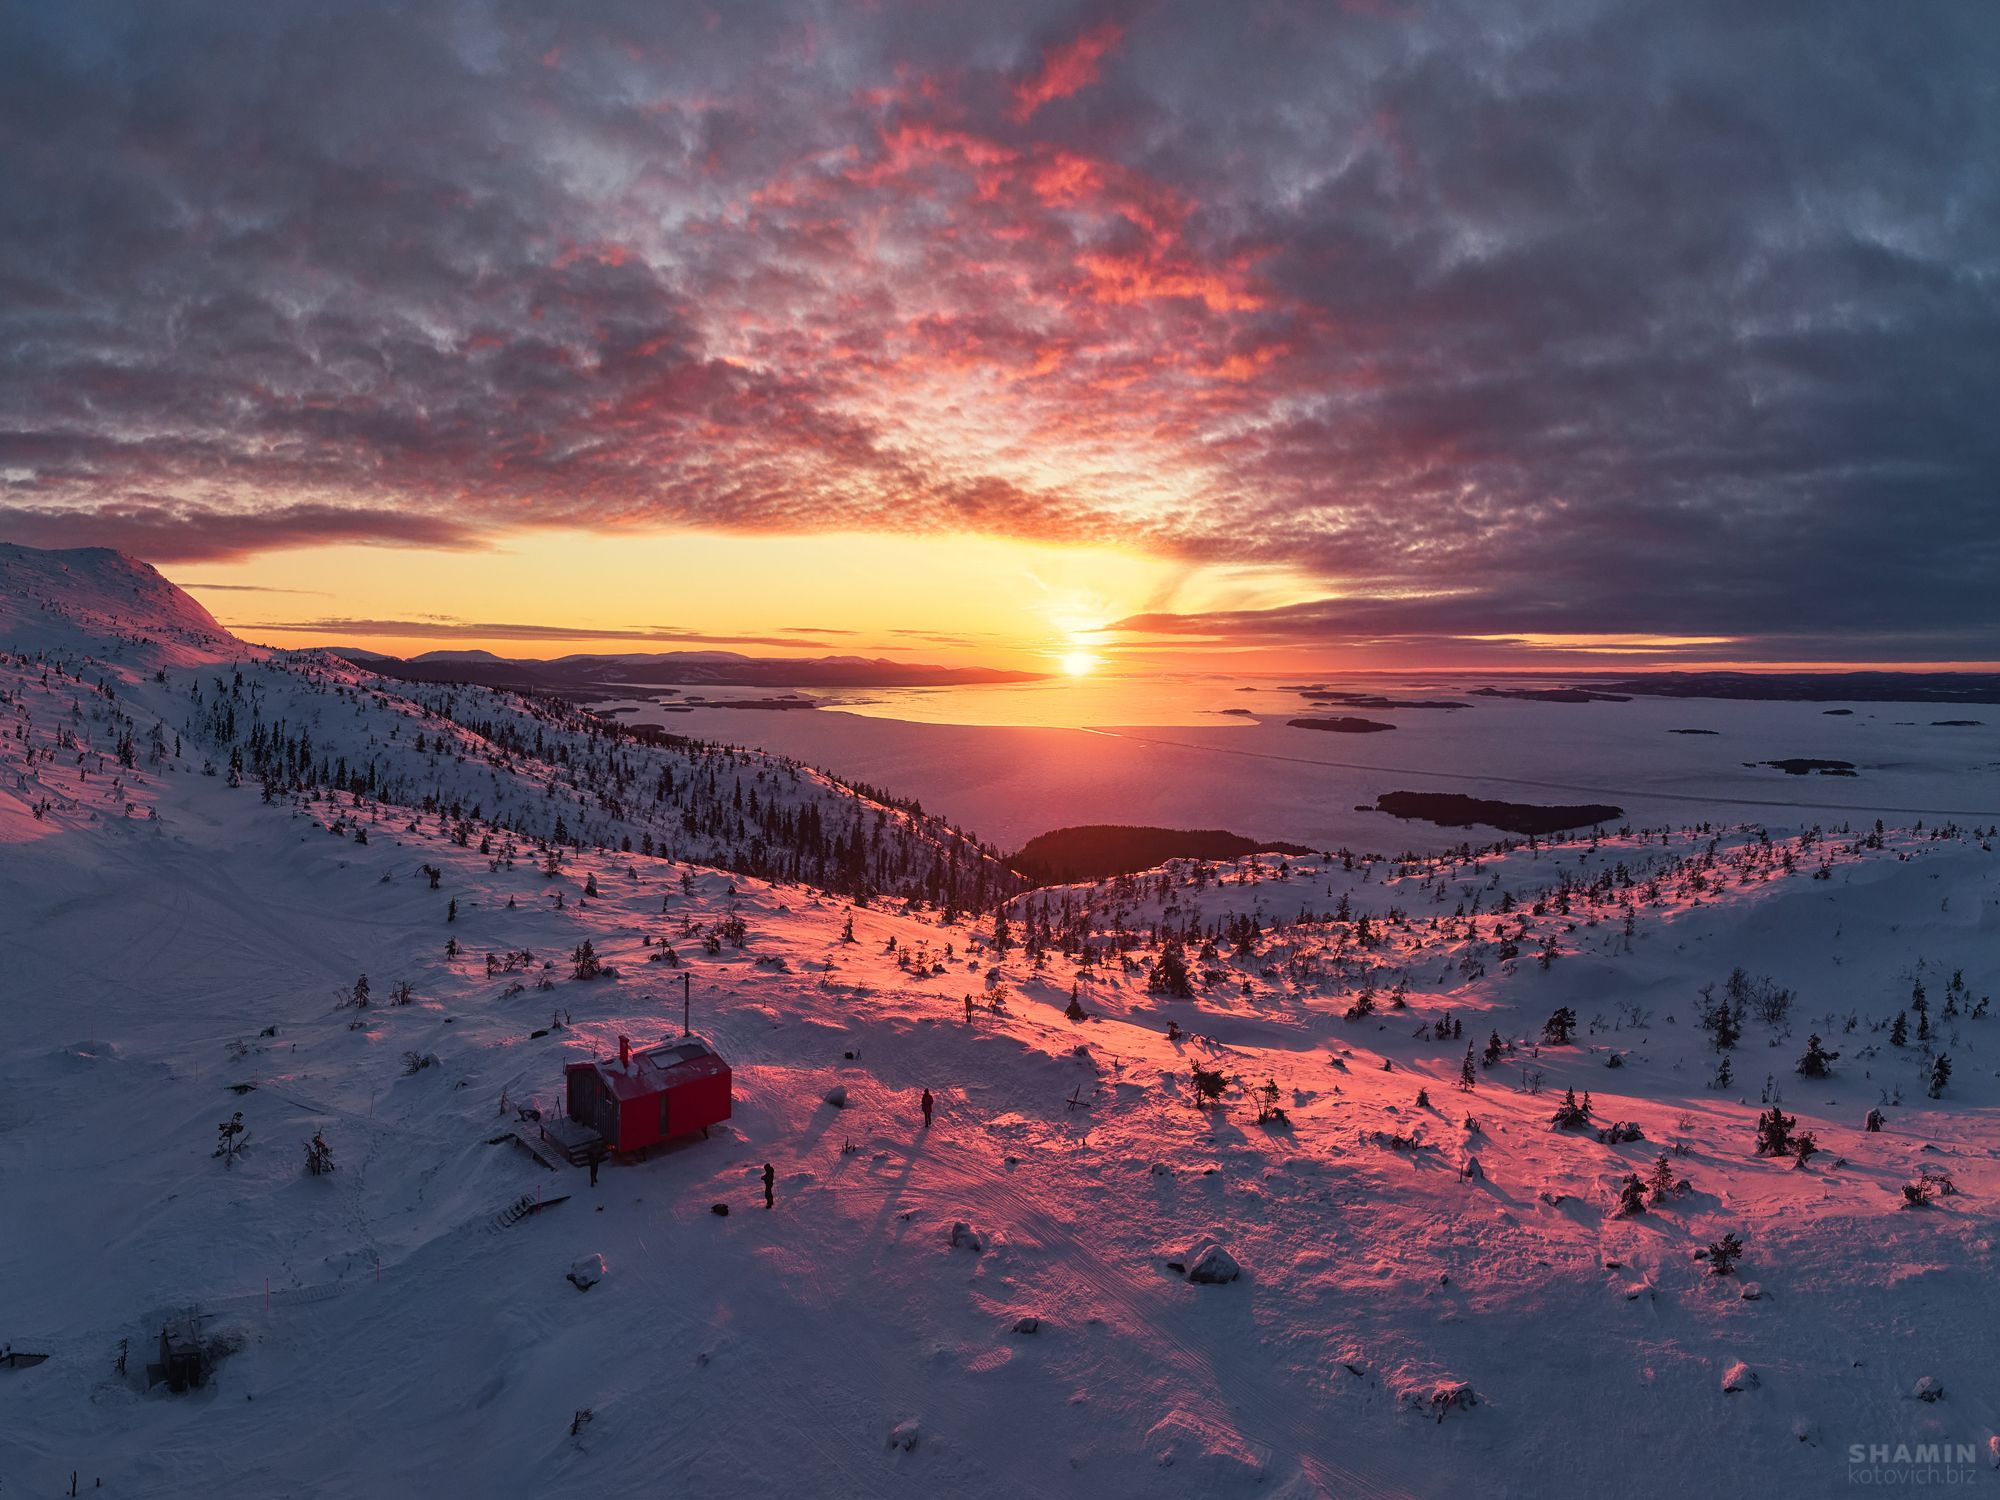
column 1498, row 319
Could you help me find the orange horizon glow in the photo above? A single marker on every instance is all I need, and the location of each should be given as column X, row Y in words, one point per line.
column 954, row 601
column 949, row 600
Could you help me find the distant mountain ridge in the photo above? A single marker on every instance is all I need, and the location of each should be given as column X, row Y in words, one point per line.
column 588, row 676
column 1815, row 687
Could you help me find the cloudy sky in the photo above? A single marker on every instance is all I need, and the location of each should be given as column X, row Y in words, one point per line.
column 1360, row 333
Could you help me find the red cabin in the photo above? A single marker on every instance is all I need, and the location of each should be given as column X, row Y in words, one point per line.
column 638, row 1099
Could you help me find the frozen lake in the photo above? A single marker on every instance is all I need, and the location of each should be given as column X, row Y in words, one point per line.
column 1012, row 762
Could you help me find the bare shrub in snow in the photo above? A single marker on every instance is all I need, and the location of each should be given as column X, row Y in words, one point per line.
column 319, row 1156
column 1929, row 1185
column 1268, row 1110
column 1393, row 1140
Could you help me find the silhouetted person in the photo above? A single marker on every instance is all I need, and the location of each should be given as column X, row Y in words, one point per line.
column 770, row 1177
column 594, row 1159
column 928, row 1104
column 968, row 1010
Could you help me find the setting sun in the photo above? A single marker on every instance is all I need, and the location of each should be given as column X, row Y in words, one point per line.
column 1077, row 663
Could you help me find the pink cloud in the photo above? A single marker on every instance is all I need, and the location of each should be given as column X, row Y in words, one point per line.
column 1066, row 69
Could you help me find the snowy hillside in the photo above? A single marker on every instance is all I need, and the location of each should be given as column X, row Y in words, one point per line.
column 95, row 601
column 359, row 910
column 514, row 775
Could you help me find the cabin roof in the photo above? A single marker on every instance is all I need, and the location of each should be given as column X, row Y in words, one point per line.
column 657, row 1069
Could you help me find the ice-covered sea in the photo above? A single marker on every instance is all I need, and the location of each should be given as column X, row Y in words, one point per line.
column 1010, row 762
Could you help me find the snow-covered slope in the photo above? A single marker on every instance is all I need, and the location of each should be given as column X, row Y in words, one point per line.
column 502, row 770
column 92, row 600
column 179, row 949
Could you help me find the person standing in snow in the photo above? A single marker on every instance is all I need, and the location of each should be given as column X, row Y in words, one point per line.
column 928, row 1103
column 968, row 1010
column 770, row 1178
column 595, row 1157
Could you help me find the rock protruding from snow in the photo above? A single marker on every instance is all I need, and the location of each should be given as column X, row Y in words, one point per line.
column 1930, row 1388
column 1029, row 1324
column 965, row 1237
column 903, row 1436
column 1739, row 1377
column 1752, row 1292
column 586, row 1271
column 837, row 1096
column 1443, row 1397
column 1211, row 1265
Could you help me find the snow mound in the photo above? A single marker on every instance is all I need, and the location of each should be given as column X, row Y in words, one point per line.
column 1739, row 1377
column 586, row 1271
column 87, row 1052
column 1216, row 1452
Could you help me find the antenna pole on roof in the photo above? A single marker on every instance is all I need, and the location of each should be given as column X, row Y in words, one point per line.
column 687, row 1004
